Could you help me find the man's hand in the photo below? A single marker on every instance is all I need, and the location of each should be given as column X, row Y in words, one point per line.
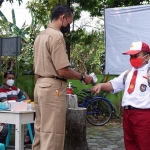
column 88, row 79
column 26, row 95
column 96, row 89
column 68, row 73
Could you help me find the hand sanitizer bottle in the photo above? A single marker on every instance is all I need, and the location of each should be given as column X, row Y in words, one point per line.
column 69, row 89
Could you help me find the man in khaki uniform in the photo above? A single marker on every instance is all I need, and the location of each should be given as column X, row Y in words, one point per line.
column 52, row 69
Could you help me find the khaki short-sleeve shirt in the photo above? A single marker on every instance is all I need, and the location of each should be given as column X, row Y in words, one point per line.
column 50, row 52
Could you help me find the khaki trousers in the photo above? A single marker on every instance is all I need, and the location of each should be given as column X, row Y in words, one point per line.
column 50, row 114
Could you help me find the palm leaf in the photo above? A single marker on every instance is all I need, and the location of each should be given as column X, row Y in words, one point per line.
column 11, row 1
column 3, row 16
column 13, row 16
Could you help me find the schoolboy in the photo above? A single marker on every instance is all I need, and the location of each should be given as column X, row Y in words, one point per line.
column 136, row 98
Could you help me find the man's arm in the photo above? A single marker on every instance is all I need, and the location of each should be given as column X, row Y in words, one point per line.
column 35, row 75
column 26, row 95
column 68, row 73
column 115, row 85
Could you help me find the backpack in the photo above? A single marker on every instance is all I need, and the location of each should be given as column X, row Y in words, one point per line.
column 148, row 76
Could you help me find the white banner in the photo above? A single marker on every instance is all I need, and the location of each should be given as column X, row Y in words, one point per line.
column 123, row 26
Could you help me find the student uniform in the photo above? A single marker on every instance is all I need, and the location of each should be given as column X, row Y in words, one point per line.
column 50, row 55
column 136, row 114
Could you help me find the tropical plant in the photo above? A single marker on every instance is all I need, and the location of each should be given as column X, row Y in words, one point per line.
column 27, row 34
column 86, row 57
column 11, row 1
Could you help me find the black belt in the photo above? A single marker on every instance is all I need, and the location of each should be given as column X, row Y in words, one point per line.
column 129, row 107
column 55, row 78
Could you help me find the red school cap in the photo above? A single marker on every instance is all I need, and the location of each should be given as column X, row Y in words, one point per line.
column 137, row 47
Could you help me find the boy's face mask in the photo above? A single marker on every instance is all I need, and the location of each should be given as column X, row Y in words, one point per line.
column 137, row 62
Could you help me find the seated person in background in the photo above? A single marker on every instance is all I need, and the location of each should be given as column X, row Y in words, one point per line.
column 3, row 132
column 9, row 92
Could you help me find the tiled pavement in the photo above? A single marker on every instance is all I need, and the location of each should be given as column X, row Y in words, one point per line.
column 107, row 137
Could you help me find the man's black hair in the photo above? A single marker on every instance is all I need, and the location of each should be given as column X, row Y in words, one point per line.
column 60, row 10
column 8, row 72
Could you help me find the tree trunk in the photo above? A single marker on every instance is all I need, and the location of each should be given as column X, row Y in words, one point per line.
column 75, row 138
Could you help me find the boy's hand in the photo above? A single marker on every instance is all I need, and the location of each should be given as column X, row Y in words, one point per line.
column 96, row 89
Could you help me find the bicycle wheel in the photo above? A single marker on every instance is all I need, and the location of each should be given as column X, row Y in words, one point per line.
column 99, row 111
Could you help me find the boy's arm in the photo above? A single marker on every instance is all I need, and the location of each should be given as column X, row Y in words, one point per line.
column 102, row 86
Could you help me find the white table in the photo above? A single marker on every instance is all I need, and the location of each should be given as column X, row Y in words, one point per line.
column 18, row 118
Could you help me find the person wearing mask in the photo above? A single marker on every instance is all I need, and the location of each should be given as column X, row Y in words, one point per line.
column 51, row 65
column 10, row 92
column 136, row 98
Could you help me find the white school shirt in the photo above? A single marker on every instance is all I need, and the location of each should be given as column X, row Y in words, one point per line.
column 140, row 97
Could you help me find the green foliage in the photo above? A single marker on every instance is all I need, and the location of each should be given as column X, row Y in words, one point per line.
column 26, row 83
column 41, row 10
column 116, row 3
column 27, row 34
column 96, row 7
column 87, row 52
column 11, row 1
column 13, row 16
column 4, row 27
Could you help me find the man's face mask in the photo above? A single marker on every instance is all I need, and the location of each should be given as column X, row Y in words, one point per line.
column 65, row 29
column 10, row 82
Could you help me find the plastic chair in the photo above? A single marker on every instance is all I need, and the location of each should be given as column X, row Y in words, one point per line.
column 8, row 135
column 2, row 146
column 30, row 132
column 9, row 132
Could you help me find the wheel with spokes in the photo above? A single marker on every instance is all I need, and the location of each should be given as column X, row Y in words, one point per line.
column 99, row 112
